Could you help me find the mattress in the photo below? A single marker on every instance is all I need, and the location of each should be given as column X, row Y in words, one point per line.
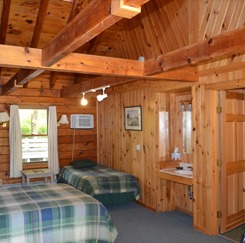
column 52, row 213
column 100, row 181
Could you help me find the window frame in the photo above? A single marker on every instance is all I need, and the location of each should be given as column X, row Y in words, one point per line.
column 37, row 164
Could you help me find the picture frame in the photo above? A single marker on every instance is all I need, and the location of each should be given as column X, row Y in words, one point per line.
column 133, row 118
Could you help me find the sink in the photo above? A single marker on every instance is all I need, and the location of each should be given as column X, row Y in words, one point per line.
column 183, row 172
column 173, row 171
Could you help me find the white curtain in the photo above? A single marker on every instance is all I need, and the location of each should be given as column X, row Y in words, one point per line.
column 15, row 141
column 53, row 159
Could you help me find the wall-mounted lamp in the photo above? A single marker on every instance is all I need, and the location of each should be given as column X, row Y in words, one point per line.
column 101, row 97
column 84, row 101
column 4, row 117
column 63, row 120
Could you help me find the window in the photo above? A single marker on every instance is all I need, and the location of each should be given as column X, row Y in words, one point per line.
column 34, row 135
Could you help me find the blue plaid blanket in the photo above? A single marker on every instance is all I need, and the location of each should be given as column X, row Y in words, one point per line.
column 99, row 180
column 52, row 213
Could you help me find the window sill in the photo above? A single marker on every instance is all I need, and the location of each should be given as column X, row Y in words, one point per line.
column 35, row 165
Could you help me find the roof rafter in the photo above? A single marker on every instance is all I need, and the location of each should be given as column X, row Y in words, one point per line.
column 23, row 75
column 83, row 28
column 4, row 22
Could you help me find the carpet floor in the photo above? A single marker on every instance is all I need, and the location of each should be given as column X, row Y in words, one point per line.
column 235, row 234
column 136, row 224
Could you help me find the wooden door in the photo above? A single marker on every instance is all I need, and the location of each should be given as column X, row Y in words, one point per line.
column 232, row 153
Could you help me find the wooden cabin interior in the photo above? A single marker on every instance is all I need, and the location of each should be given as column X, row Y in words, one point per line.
column 156, row 54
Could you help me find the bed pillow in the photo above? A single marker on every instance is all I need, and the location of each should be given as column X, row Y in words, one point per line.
column 83, row 163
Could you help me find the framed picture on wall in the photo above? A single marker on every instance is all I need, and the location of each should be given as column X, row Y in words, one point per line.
column 133, row 118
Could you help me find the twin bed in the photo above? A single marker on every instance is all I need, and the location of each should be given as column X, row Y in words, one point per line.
column 63, row 213
column 105, row 184
column 52, row 213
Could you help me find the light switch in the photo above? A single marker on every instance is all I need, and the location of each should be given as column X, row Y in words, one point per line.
column 138, row 147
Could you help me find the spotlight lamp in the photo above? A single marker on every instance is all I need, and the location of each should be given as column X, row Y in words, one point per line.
column 101, row 97
column 84, row 101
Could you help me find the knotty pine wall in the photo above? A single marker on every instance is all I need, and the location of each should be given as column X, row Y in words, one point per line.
column 117, row 146
column 85, row 145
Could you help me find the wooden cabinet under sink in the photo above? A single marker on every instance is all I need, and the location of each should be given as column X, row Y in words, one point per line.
column 173, row 190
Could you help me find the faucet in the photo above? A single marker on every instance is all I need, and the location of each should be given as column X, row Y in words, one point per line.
column 190, row 167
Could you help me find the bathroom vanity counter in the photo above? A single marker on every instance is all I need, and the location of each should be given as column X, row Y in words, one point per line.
column 171, row 174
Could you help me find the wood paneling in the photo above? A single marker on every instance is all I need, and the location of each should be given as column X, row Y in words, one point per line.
column 117, row 146
column 205, row 174
column 85, row 141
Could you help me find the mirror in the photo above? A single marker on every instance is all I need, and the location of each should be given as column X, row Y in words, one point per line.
column 187, row 127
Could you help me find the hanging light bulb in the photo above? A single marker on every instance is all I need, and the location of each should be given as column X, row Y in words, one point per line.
column 84, row 102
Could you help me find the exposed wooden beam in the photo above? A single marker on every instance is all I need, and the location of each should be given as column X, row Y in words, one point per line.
column 4, row 20
column 126, row 10
column 74, row 10
column 39, row 22
column 90, row 22
column 83, row 28
column 24, row 74
column 84, row 84
column 92, row 83
column 225, row 85
column 229, row 43
column 135, row 3
column 19, row 79
column 30, row 58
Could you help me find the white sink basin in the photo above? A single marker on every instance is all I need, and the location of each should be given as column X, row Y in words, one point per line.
column 184, row 172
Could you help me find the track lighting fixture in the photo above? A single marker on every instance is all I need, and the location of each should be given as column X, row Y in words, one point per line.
column 84, row 102
column 101, row 97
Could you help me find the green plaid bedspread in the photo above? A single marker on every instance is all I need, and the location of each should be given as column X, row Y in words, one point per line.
column 99, row 180
column 52, row 213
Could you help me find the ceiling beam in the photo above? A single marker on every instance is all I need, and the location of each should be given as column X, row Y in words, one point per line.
column 4, row 23
column 83, row 28
column 134, row 3
column 19, row 79
column 39, row 22
column 226, row 85
column 24, row 75
column 90, row 22
column 74, row 10
column 84, row 84
column 4, row 20
column 229, row 43
column 128, row 10
column 92, row 83
column 31, row 58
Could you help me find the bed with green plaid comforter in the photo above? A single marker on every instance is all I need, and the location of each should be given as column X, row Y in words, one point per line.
column 100, row 180
column 52, row 213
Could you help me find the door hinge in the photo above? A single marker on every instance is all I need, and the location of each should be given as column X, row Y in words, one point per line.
column 219, row 109
column 219, row 162
column 219, row 214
